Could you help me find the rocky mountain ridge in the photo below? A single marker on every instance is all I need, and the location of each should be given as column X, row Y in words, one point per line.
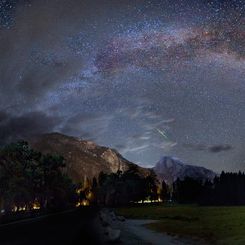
column 84, row 159
column 170, row 168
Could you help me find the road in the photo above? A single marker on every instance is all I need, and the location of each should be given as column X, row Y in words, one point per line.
column 70, row 228
column 134, row 232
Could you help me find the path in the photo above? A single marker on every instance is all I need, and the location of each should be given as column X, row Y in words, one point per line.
column 146, row 236
column 134, row 232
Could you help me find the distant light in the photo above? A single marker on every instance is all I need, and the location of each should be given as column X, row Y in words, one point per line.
column 82, row 203
column 150, row 201
column 22, row 208
column 36, row 206
column 15, row 209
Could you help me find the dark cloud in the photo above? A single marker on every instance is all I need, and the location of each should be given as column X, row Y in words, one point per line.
column 3, row 116
column 21, row 127
column 219, row 148
column 209, row 148
column 35, row 57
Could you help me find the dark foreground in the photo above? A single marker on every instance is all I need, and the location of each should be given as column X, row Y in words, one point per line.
column 71, row 227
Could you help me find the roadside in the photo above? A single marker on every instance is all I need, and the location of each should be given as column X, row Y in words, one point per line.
column 68, row 228
column 148, row 236
column 112, row 228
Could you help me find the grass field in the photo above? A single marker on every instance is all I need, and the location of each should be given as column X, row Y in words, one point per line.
column 215, row 225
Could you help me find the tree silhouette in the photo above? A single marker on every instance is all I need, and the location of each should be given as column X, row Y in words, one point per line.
column 27, row 176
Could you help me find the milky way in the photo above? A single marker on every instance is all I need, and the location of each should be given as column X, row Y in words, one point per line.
column 117, row 72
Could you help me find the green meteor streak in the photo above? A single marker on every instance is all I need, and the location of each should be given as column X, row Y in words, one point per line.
column 162, row 133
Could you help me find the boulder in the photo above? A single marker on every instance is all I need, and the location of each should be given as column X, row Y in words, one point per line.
column 104, row 218
column 113, row 234
column 121, row 218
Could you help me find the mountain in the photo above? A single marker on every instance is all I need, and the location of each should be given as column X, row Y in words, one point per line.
column 84, row 159
column 170, row 168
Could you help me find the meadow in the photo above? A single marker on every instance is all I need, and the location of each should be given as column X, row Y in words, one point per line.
column 212, row 225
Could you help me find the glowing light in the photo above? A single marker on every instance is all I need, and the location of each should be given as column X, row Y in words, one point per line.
column 78, row 191
column 89, row 196
column 15, row 209
column 150, row 201
column 85, row 203
column 36, row 206
column 82, row 203
column 22, row 208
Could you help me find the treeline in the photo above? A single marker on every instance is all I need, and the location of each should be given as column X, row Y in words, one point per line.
column 122, row 188
column 227, row 189
column 31, row 180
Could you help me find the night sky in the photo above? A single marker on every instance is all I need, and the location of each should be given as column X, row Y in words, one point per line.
column 148, row 78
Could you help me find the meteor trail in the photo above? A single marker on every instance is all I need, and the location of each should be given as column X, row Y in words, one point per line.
column 162, row 133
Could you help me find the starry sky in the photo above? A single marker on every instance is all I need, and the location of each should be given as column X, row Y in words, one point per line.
column 148, row 78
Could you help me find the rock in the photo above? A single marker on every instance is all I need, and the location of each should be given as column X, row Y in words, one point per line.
column 170, row 169
column 104, row 219
column 113, row 234
column 113, row 216
column 121, row 218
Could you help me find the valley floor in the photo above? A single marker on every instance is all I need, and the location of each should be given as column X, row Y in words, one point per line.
column 203, row 225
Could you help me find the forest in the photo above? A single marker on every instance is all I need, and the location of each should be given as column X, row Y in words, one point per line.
column 30, row 180
column 226, row 189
